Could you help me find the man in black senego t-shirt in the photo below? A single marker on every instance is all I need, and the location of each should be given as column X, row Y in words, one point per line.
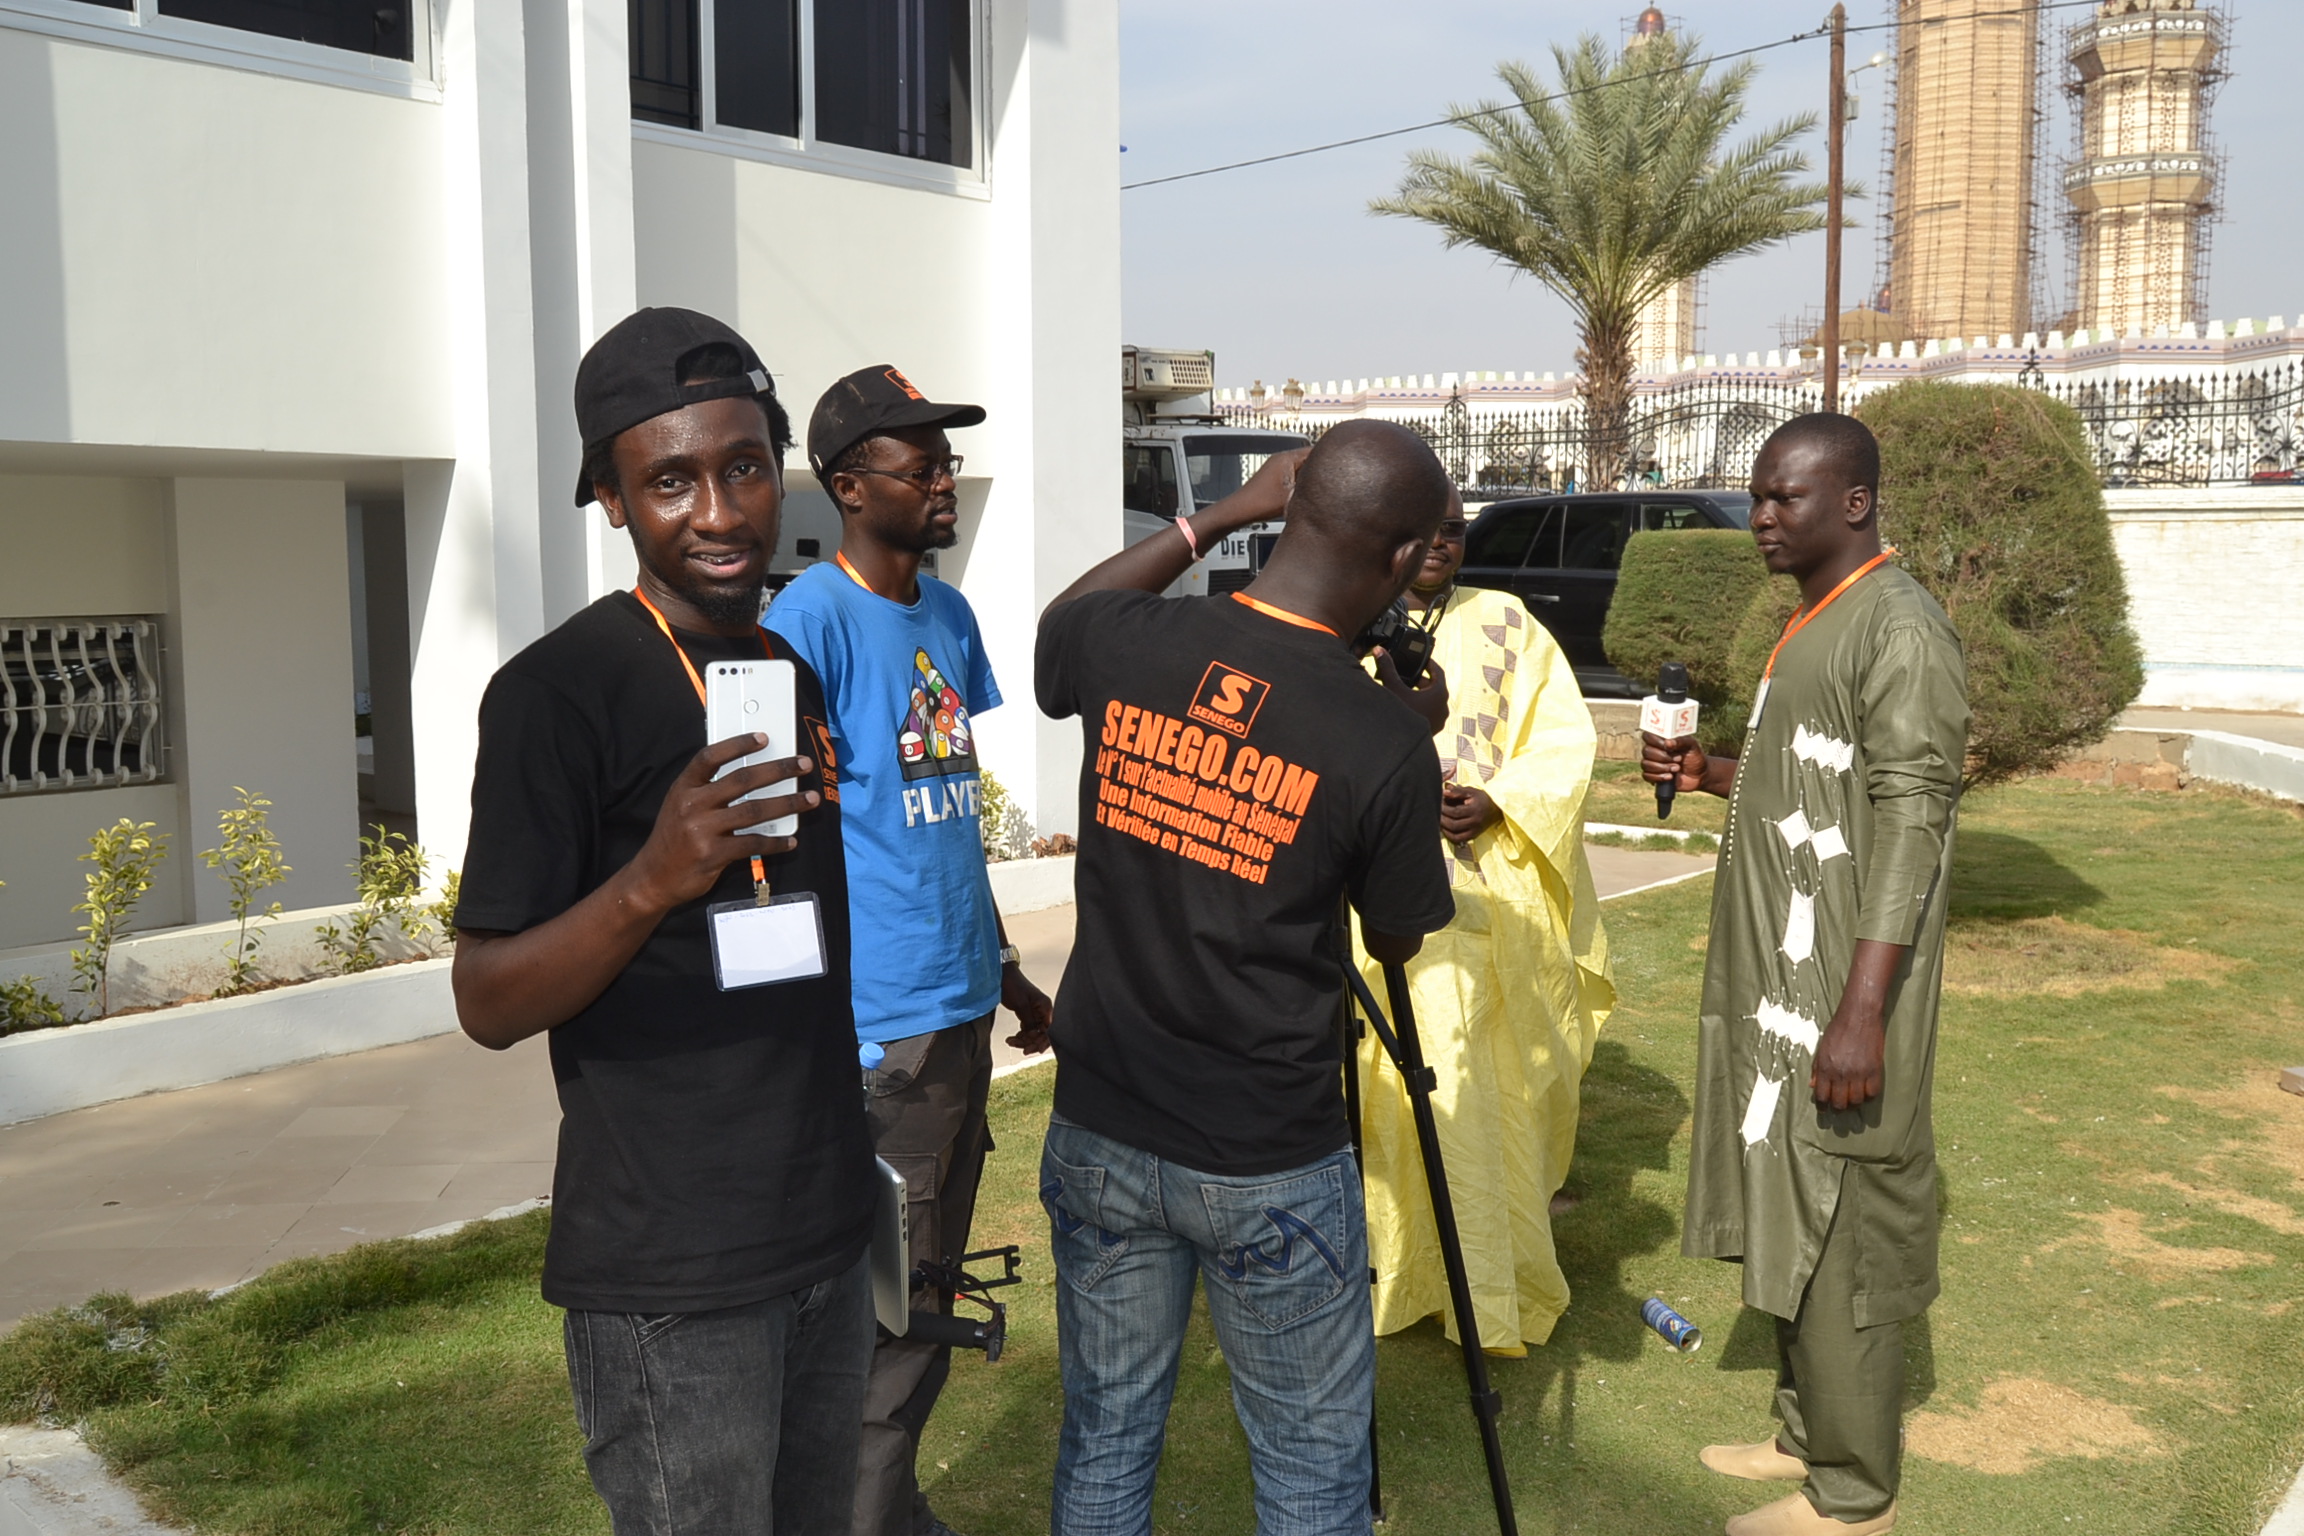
column 1243, row 777
column 712, row 1200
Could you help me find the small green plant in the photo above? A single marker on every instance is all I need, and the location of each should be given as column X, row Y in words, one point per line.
column 125, row 855
column 1000, row 822
column 390, row 874
column 250, row 862
column 440, row 911
column 25, row 1004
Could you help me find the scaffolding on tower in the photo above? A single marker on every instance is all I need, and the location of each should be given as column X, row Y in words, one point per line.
column 2143, row 178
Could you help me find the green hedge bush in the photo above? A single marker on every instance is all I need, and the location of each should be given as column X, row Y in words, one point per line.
column 1680, row 596
column 1991, row 494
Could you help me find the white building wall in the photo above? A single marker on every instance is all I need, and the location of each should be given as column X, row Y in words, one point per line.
column 215, row 258
column 2212, row 583
column 235, row 297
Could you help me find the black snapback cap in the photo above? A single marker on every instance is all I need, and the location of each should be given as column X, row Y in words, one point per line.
column 870, row 400
column 658, row 360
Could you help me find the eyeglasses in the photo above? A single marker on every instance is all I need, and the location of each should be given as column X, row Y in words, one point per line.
column 924, row 477
column 1453, row 528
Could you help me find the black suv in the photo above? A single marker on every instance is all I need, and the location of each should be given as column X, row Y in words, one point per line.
column 1558, row 555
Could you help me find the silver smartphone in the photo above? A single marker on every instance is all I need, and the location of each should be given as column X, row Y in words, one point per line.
column 741, row 696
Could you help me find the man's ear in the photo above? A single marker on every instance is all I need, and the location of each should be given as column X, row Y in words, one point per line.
column 1407, row 559
column 611, row 502
column 1862, row 503
column 844, row 501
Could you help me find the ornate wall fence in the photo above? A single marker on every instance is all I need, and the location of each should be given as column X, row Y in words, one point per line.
column 2181, row 411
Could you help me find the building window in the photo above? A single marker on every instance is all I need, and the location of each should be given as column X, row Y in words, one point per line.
column 891, row 77
column 80, row 704
column 383, row 29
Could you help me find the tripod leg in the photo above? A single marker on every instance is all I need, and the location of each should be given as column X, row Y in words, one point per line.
column 1348, row 1022
column 1420, row 1080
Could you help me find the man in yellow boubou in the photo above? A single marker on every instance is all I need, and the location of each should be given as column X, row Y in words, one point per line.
column 1510, row 996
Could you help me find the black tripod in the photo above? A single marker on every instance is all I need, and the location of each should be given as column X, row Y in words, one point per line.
column 1407, row 1053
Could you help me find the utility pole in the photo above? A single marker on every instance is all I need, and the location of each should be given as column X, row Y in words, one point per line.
column 1838, row 114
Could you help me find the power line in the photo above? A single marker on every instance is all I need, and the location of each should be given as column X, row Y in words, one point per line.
column 1465, row 117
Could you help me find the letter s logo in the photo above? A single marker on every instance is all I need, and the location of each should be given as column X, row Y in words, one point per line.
column 1231, row 693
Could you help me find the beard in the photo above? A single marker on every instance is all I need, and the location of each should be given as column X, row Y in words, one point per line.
column 723, row 604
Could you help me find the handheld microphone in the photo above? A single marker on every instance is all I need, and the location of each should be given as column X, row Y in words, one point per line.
column 1670, row 714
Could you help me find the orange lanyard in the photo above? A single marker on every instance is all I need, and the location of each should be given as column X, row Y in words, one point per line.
column 1800, row 620
column 1283, row 615
column 853, row 574
column 759, row 870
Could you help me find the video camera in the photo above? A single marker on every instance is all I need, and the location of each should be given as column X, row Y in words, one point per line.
column 1407, row 642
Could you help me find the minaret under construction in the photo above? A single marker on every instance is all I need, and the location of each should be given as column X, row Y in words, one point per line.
column 2143, row 185
column 1962, row 236
column 1665, row 331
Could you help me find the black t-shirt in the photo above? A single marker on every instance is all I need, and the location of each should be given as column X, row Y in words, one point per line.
column 1241, row 774
column 713, row 1149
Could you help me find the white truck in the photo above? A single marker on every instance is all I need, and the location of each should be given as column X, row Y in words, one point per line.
column 1178, row 456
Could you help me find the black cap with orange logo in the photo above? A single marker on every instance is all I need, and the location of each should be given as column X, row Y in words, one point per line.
column 874, row 400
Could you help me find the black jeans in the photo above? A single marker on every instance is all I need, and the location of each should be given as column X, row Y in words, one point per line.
column 740, row 1422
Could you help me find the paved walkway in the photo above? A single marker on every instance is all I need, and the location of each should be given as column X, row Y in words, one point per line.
column 207, row 1186
column 2287, row 730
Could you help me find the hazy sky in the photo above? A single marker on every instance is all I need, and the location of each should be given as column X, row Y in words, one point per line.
column 1282, row 271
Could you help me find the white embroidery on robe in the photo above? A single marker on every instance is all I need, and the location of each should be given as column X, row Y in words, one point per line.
column 1760, row 1112
column 1827, row 841
column 1795, row 1029
column 1800, row 928
column 1822, row 750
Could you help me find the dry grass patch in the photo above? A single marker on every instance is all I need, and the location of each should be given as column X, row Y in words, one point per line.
column 2020, row 1422
column 2122, row 1234
column 2275, row 1131
column 2056, row 957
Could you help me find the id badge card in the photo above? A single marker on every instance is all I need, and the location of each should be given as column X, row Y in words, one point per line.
column 756, row 943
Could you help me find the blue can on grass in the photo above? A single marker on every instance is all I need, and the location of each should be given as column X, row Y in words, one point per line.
column 1674, row 1329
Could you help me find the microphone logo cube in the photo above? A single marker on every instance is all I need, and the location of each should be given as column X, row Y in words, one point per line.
column 1668, row 721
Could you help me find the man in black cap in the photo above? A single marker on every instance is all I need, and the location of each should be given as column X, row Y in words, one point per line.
column 712, row 1198
column 905, row 674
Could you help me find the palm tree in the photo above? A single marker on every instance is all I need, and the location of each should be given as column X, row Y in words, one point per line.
column 1612, row 190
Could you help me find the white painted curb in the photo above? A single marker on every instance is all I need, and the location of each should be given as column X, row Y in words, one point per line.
column 51, row 1484
column 2288, row 1519
column 1031, row 885
column 2266, row 766
column 49, row 1071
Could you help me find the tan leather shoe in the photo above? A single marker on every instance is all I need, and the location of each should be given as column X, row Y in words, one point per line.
column 1795, row 1516
column 1761, row 1463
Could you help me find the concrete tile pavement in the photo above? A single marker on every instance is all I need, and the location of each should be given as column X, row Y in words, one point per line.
column 206, row 1186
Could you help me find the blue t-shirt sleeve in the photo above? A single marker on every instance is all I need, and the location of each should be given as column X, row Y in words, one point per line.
column 983, row 687
column 801, row 622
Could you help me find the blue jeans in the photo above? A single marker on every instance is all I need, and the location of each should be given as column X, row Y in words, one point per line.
column 1285, row 1260
column 740, row 1422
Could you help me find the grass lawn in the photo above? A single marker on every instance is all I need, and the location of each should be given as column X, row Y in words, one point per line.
column 2124, row 1221
column 1621, row 797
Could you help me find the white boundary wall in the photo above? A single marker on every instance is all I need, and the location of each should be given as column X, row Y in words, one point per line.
column 2213, row 578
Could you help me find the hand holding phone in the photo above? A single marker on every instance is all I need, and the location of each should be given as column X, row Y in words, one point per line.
column 741, row 697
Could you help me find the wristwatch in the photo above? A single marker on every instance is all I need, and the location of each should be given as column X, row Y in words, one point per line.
column 1010, row 955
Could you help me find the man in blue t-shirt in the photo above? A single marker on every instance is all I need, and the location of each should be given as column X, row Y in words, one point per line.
column 904, row 676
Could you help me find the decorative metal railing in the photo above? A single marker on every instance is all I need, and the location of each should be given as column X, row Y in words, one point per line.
column 2174, row 427
column 1701, row 434
column 2223, row 427
column 80, row 703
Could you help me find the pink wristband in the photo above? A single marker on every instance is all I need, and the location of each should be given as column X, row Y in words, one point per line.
column 1184, row 527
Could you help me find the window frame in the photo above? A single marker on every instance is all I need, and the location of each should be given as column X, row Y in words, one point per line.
column 140, row 28
column 804, row 151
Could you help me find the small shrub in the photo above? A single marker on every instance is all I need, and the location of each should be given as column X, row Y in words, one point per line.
column 1991, row 494
column 25, row 1004
column 390, row 872
column 250, row 862
column 1001, row 822
column 440, row 912
column 125, row 854
column 1680, row 597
